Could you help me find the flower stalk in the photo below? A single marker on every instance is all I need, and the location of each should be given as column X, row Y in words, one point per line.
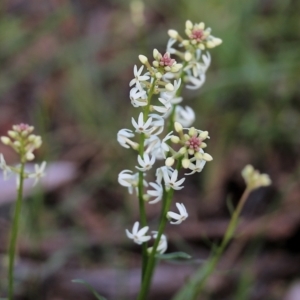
column 157, row 92
column 193, row 288
column 22, row 141
column 14, row 233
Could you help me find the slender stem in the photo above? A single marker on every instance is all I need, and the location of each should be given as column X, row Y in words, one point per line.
column 142, row 208
column 14, row 234
column 151, row 260
column 194, row 287
column 228, row 235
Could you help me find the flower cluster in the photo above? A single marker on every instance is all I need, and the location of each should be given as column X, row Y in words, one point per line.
column 21, row 139
column 162, row 132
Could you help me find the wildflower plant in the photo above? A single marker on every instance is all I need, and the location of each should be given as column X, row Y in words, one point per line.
column 24, row 143
column 162, row 133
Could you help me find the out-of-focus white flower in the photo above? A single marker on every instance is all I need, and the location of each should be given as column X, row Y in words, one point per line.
column 165, row 109
column 195, row 81
column 138, row 77
column 157, row 192
column 171, row 180
column 146, row 162
column 170, row 44
column 141, row 126
column 184, row 115
column 178, row 217
column 196, row 167
column 162, row 245
column 130, row 180
column 138, row 236
column 5, row 168
column 254, row 179
column 39, row 172
column 124, row 136
column 196, row 66
column 138, row 98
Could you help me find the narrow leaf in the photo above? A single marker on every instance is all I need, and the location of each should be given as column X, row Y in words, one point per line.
column 89, row 287
column 173, row 256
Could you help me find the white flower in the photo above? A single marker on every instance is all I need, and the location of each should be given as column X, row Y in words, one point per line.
column 137, row 77
column 138, row 236
column 170, row 44
column 178, row 217
column 39, row 172
column 197, row 167
column 160, row 173
column 165, row 109
column 128, row 179
column 197, row 82
column 123, row 138
column 198, row 68
column 171, row 180
column 141, row 126
column 171, row 96
column 157, row 192
column 162, row 245
column 185, row 116
column 6, row 169
column 157, row 124
column 138, row 98
column 152, row 144
column 156, row 146
column 146, row 162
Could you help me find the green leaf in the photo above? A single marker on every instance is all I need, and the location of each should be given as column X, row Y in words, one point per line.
column 89, row 287
column 173, row 256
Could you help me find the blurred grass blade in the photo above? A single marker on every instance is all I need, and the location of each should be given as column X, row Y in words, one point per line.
column 90, row 288
column 174, row 256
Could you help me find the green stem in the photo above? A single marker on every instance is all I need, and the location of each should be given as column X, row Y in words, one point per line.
column 151, row 260
column 194, row 287
column 14, row 234
column 142, row 208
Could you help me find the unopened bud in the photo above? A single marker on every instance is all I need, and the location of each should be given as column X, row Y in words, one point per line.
column 29, row 156
column 173, row 34
column 191, row 151
column 17, row 144
column 198, row 155
column 155, row 53
column 192, row 131
column 5, row 140
column 185, row 163
column 207, row 157
column 189, row 24
column 155, row 64
column 203, row 135
column 169, row 87
column 175, row 139
column 12, row 134
column 143, row 59
column 182, row 150
column 178, row 127
column 158, row 75
column 169, row 162
column 187, row 56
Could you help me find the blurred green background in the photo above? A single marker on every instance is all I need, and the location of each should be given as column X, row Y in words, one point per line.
column 65, row 68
